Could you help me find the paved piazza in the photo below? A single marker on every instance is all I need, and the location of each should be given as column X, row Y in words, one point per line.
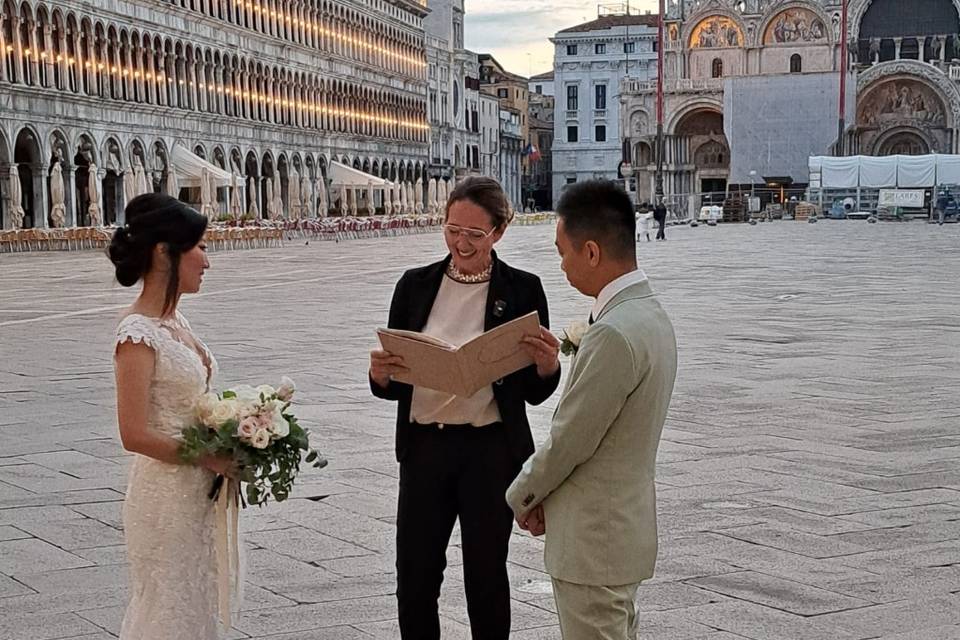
column 808, row 476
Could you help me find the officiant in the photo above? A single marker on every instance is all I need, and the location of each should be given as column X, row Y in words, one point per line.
column 458, row 454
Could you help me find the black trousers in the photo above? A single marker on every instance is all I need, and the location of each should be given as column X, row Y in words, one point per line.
column 660, row 234
column 455, row 472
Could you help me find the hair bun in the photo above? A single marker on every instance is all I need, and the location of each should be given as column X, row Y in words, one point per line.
column 129, row 260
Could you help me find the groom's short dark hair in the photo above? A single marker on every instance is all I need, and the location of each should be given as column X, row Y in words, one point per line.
column 599, row 210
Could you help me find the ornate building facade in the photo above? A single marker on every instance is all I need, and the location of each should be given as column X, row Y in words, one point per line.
column 263, row 89
column 453, row 93
column 905, row 75
column 590, row 62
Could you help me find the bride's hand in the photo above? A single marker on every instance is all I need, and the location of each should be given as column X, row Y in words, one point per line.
column 221, row 465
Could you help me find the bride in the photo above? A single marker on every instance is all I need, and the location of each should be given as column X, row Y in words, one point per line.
column 178, row 576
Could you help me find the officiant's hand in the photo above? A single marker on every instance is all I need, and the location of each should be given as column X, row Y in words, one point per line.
column 384, row 364
column 534, row 521
column 545, row 350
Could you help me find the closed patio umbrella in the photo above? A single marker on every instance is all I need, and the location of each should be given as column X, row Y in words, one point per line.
column 16, row 199
column 58, row 208
column 93, row 192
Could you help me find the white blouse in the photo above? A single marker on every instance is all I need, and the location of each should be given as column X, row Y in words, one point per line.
column 457, row 317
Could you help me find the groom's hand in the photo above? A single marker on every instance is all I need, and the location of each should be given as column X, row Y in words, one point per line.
column 544, row 349
column 533, row 521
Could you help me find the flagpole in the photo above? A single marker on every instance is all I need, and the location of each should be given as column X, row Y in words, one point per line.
column 841, row 126
column 659, row 174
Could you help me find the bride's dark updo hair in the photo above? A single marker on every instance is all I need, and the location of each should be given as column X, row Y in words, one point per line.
column 152, row 219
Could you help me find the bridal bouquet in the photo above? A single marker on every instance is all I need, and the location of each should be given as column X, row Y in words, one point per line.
column 254, row 427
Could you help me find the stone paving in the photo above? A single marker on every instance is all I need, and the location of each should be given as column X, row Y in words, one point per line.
column 808, row 476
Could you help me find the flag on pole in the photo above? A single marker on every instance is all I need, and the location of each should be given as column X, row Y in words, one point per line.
column 532, row 152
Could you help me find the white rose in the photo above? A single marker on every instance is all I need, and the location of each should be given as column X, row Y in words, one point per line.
column 205, row 407
column 260, row 439
column 279, row 425
column 266, row 390
column 225, row 410
column 246, row 408
column 575, row 332
column 286, row 389
column 247, row 394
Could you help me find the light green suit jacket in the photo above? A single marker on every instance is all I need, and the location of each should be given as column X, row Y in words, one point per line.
column 595, row 472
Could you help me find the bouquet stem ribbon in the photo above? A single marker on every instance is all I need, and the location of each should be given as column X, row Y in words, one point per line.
column 227, row 548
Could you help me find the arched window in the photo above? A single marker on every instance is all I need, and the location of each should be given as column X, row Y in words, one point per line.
column 716, row 68
column 796, row 63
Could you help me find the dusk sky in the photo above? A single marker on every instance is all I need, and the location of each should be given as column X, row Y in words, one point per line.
column 516, row 31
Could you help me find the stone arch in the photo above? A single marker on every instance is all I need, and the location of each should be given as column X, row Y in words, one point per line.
column 267, row 171
column 807, row 31
column 28, row 154
column 910, row 71
column 219, row 157
column 6, row 156
column 905, row 140
column 715, row 29
column 698, row 105
column 59, row 148
column 283, row 173
column 639, row 123
column 136, row 149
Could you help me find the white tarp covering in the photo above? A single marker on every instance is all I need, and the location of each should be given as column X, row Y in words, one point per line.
column 904, row 172
column 189, row 167
column 916, row 171
column 341, row 174
column 840, row 172
column 878, row 172
column 948, row 169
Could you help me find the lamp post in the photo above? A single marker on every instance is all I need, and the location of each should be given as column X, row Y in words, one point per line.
column 659, row 175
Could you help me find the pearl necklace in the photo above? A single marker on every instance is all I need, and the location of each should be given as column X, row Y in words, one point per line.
column 465, row 278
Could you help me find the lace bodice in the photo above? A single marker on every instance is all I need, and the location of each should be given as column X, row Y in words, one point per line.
column 180, row 376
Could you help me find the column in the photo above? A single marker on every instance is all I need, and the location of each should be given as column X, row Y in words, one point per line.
column 49, row 59
column 34, row 57
column 17, row 70
column 153, row 95
column 63, row 67
column 41, row 209
column 898, row 42
column 69, row 189
column 3, row 71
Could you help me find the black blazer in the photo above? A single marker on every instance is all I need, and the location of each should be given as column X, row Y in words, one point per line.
column 513, row 293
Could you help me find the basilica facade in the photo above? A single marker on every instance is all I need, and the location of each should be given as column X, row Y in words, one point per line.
column 261, row 89
column 785, row 56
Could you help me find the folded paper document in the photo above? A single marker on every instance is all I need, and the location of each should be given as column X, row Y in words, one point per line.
column 466, row 369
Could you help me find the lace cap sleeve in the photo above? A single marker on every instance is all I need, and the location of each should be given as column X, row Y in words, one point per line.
column 137, row 329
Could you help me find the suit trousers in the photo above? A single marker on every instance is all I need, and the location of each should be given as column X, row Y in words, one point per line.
column 458, row 471
column 589, row 612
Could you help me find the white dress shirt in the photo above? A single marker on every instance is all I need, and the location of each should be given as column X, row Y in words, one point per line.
column 614, row 287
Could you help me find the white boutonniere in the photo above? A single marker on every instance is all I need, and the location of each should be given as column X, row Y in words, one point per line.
column 572, row 336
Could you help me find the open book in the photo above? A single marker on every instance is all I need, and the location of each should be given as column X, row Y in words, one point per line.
column 463, row 370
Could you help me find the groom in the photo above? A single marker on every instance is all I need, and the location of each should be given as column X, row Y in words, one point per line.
column 591, row 484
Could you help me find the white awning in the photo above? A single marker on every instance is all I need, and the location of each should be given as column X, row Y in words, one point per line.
column 189, row 168
column 341, row 174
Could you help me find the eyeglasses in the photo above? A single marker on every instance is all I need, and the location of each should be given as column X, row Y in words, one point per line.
column 473, row 235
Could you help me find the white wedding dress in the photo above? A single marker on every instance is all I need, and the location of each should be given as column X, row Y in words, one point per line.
column 170, row 523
